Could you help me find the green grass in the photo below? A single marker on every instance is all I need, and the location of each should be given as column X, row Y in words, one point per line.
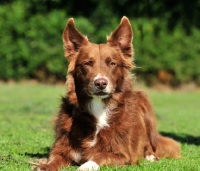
column 26, row 130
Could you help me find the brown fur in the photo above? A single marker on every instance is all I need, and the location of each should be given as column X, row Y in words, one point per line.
column 129, row 132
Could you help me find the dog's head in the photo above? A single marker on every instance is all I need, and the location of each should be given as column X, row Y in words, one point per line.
column 98, row 69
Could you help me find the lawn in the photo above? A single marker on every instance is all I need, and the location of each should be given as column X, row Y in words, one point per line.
column 26, row 131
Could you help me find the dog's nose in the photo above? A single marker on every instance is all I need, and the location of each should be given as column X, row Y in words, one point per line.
column 101, row 83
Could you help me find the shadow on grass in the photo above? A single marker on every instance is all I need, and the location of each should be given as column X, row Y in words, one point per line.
column 39, row 155
column 185, row 138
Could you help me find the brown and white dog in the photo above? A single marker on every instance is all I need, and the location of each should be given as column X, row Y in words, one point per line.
column 102, row 121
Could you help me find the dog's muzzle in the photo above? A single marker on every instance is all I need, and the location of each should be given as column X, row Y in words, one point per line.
column 101, row 83
column 101, row 87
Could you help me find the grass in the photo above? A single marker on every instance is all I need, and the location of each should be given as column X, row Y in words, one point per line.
column 26, row 131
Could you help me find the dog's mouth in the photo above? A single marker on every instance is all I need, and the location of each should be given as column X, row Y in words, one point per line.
column 101, row 94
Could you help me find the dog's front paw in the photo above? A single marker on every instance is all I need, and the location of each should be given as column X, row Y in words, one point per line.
column 151, row 158
column 89, row 166
column 41, row 167
column 39, row 164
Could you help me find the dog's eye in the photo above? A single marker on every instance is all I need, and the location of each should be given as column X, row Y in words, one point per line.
column 113, row 64
column 89, row 63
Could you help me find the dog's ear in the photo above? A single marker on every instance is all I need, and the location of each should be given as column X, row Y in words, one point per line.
column 72, row 39
column 122, row 37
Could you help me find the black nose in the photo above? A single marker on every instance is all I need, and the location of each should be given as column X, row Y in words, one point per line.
column 101, row 83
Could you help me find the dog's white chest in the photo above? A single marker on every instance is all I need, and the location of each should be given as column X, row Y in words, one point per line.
column 98, row 109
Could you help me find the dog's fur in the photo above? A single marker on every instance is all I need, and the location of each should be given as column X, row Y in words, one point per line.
column 102, row 121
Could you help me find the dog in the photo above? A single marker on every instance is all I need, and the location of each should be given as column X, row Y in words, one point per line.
column 102, row 121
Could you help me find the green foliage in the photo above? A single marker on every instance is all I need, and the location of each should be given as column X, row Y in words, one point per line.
column 29, row 46
column 166, row 43
column 174, row 52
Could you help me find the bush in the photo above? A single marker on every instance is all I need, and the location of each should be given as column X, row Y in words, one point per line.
column 31, row 42
column 32, row 47
column 169, row 57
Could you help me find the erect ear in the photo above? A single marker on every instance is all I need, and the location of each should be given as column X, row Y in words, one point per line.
column 122, row 37
column 72, row 39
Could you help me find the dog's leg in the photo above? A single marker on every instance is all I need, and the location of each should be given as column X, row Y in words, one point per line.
column 167, row 147
column 54, row 163
column 149, row 154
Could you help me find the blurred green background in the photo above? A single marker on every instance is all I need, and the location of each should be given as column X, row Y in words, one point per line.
column 166, row 37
